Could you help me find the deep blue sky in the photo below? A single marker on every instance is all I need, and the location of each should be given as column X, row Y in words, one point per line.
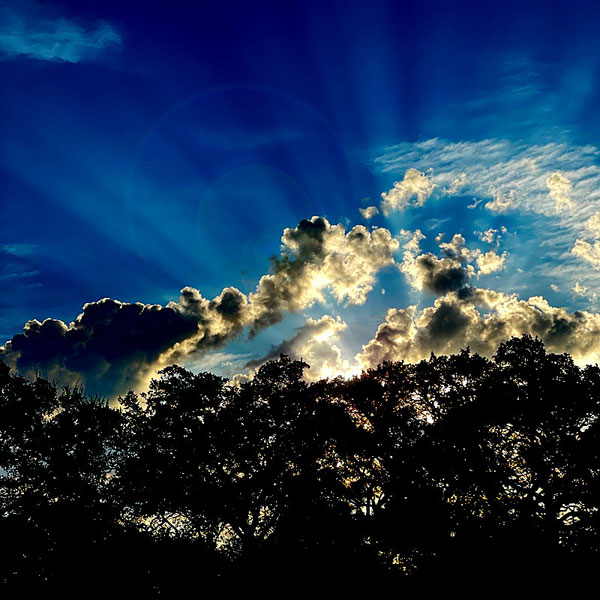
column 175, row 146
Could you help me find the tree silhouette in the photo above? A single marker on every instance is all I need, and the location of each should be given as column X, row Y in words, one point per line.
column 57, row 452
column 455, row 467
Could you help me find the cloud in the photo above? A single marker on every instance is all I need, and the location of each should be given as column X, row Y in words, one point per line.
column 427, row 272
column 225, row 364
column 491, row 236
column 108, row 347
column 15, row 266
column 490, row 262
column 589, row 252
column 593, row 224
column 504, row 176
column 453, row 271
column 413, row 243
column 29, row 32
column 559, row 188
column 316, row 257
column 510, row 175
column 582, row 290
column 456, row 249
column 369, row 212
column 501, row 204
column 457, row 184
column 114, row 345
column 217, row 322
column 313, row 343
column 481, row 321
column 435, row 224
column 437, row 276
column 414, row 190
column 19, row 249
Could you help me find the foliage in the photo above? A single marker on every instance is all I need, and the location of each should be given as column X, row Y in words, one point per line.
column 458, row 466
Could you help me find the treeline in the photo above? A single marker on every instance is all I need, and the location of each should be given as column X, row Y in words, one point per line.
column 458, row 467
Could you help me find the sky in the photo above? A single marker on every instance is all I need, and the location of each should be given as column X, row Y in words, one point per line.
column 212, row 184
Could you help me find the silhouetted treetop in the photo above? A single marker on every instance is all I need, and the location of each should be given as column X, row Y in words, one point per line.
column 458, row 466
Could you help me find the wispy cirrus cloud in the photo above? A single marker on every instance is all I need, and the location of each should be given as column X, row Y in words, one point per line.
column 518, row 174
column 27, row 30
column 19, row 248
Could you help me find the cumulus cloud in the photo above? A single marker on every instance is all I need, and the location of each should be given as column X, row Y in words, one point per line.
column 500, row 203
column 427, row 272
column 481, row 321
column 316, row 257
column 487, row 262
column 29, row 31
column 456, row 249
column 491, row 236
column 593, row 224
column 413, row 240
column 559, row 188
column 114, row 345
column 369, row 212
column 414, row 190
column 436, row 275
column 218, row 321
column 108, row 347
column 490, row 262
column 452, row 272
column 588, row 252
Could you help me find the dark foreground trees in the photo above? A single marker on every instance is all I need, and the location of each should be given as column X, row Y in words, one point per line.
column 456, row 469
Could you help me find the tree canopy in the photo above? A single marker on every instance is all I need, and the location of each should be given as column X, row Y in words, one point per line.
column 458, row 466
